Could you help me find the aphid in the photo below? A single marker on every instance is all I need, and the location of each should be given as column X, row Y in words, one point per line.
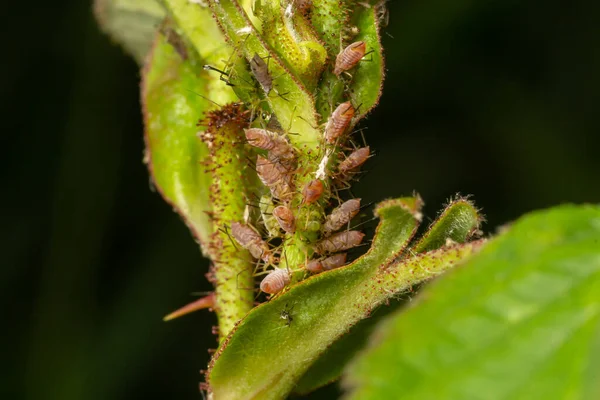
column 277, row 145
column 275, row 281
column 312, row 191
column 349, row 57
column 339, row 242
column 339, row 121
column 275, row 176
column 354, row 160
column 285, row 218
column 261, row 73
column 249, row 239
column 341, row 215
column 326, row 264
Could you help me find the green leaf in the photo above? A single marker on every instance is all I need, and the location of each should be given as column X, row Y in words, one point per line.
column 173, row 151
column 368, row 76
column 265, row 357
column 330, row 365
column 459, row 220
column 456, row 223
column 195, row 23
column 290, row 101
column 519, row 321
column 365, row 84
column 131, row 23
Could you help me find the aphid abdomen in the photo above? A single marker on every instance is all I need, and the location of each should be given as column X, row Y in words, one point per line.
column 275, row 176
column 339, row 242
column 349, row 57
column 341, row 215
column 339, row 121
column 354, row 160
column 285, row 218
column 261, row 73
column 334, row 261
column 249, row 239
column 275, row 281
column 276, row 144
column 314, row 266
column 312, row 191
column 326, row 264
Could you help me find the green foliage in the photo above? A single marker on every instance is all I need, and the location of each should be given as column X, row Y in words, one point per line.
column 220, row 68
column 264, row 352
column 520, row 320
column 173, row 152
column 455, row 224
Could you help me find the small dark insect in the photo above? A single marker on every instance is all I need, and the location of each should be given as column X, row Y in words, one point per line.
column 349, row 57
column 339, row 121
column 326, row 264
column 312, row 191
column 354, row 160
column 275, row 281
column 341, row 215
column 285, row 218
column 339, row 242
column 275, row 176
column 249, row 239
column 261, row 73
column 277, row 145
column 286, row 314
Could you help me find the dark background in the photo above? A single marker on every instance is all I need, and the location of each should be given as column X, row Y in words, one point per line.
column 498, row 99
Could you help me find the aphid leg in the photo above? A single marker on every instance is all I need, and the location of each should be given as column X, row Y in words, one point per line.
column 205, row 98
column 237, row 281
column 226, row 231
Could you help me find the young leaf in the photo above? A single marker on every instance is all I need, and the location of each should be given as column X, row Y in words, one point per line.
column 456, row 223
column 132, row 23
column 173, row 151
column 265, row 356
column 519, row 321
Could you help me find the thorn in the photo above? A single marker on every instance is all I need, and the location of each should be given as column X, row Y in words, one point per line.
column 201, row 303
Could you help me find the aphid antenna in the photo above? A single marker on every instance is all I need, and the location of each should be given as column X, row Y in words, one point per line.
column 226, row 231
column 370, row 52
column 237, row 282
column 365, row 206
column 208, row 67
column 205, row 98
column 361, row 224
column 309, row 124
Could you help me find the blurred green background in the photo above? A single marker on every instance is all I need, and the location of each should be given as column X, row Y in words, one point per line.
column 498, row 99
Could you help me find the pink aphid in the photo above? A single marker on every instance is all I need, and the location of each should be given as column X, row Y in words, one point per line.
column 249, row 239
column 349, row 57
column 341, row 215
column 339, row 121
column 312, row 191
column 275, row 281
column 339, row 242
column 275, row 176
column 277, row 145
column 354, row 160
column 326, row 264
column 285, row 218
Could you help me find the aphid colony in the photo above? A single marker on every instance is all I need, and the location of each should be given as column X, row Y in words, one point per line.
column 276, row 167
column 275, row 170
